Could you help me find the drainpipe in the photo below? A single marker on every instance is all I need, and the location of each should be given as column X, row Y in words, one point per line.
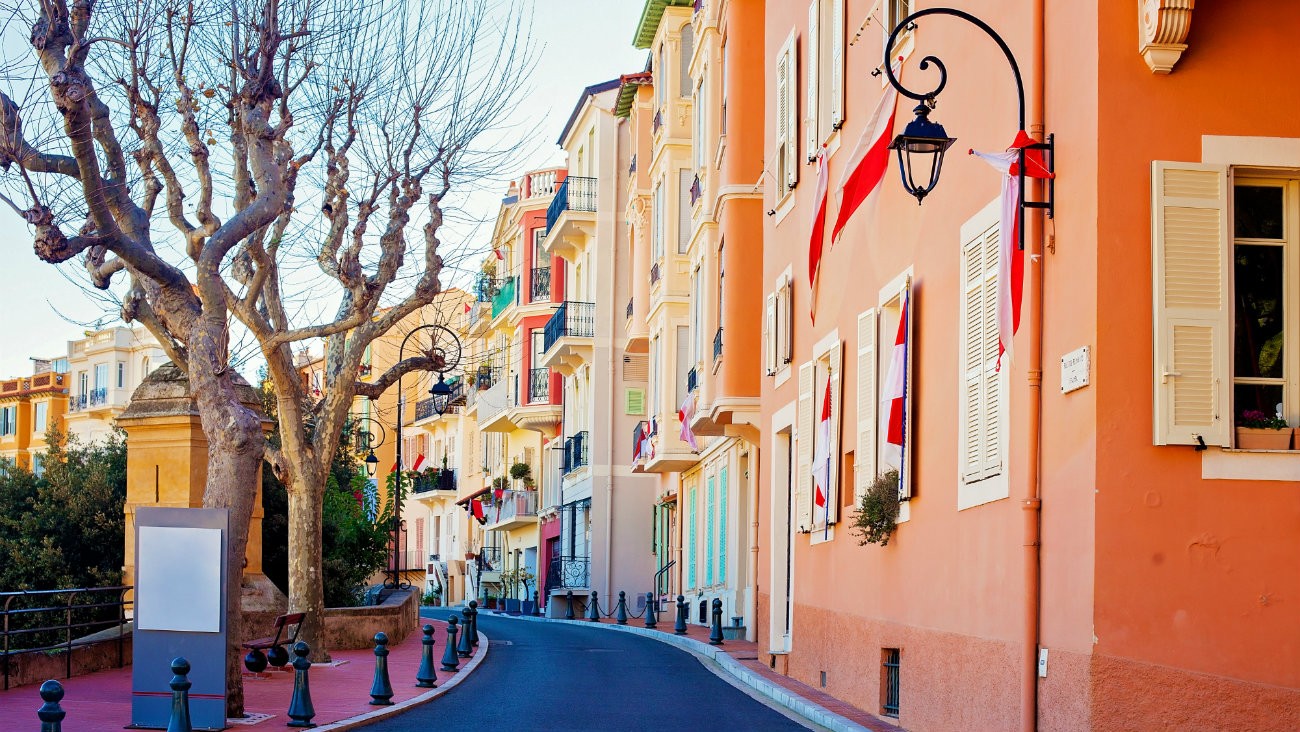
column 613, row 378
column 1032, row 503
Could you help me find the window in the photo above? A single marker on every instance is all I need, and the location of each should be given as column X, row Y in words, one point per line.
column 661, row 80
column 787, row 119
column 824, row 69
column 891, row 661
column 83, row 382
column 778, row 341
column 701, row 112
column 684, row 180
column 40, row 415
column 895, row 298
column 683, row 364
column 121, row 375
column 815, row 377
column 657, row 238
column 897, row 10
column 710, row 523
column 101, row 376
column 722, row 525
column 687, row 49
column 38, row 465
column 690, row 538
column 1226, row 312
column 982, row 410
column 8, row 421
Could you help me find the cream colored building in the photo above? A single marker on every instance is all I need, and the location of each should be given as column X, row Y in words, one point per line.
column 105, row 367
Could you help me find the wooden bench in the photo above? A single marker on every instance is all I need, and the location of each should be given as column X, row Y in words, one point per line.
column 270, row 650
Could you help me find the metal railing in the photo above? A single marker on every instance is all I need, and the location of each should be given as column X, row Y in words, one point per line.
column 576, row 193
column 540, row 284
column 568, row 573
column 658, row 120
column 488, row 559
column 514, row 504
column 639, row 433
column 575, row 452
column 892, row 662
column 487, row 376
column 631, row 167
column 692, row 379
column 575, row 319
column 99, row 396
column 78, row 402
column 505, row 297
column 656, row 272
column 424, row 408
column 696, row 191
column 30, row 615
column 630, row 302
column 440, row 479
column 486, row 288
column 717, row 344
column 539, row 385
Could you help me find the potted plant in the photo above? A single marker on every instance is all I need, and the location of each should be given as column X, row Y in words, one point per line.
column 1258, row 430
column 500, row 483
column 522, row 472
column 490, row 601
column 877, row 515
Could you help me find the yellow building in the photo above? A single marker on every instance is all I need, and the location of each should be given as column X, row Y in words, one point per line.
column 29, row 406
column 105, row 367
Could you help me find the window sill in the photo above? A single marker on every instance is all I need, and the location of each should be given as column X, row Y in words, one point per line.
column 784, row 207
column 821, row 535
column 1233, row 464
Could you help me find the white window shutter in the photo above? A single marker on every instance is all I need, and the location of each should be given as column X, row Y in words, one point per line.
column 836, row 376
column 782, row 118
column 1190, row 253
column 811, row 50
column 785, row 324
column 804, row 450
column 769, row 335
column 971, row 408
column 792, row 121
column 991, row 420
column 864, row 451
column 837, row 63
column 909, row 428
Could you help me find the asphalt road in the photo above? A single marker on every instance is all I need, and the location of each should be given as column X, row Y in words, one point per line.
column 553, row 676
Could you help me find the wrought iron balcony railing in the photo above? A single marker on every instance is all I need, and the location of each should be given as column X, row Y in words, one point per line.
column 658, row 121
column 639, row 434
column 505, row 297
column 630, row 302
column 78, row 402
column 440, row 479
column 573, row 319
column 656, row 271
column 99, row 396
column 631, row 167
column 692, row 379
column 717, row 344
column 568, row 573
column 488, row 558
column 424, row 408
column 575, row 452
column 575, row 194
column 540, row 284
column 513, row 504
column 539, row 385
column 486, row 288
column 487, row 376
column 696, row 190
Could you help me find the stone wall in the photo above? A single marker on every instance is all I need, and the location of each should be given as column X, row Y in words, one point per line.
column 97, row 653
column 348, row 628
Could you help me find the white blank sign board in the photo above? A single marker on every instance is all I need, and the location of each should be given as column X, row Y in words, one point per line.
column 178, row 579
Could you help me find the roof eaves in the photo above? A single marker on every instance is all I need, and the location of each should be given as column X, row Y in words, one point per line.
column 651, row 14
column 590, row 91
column 627, row 92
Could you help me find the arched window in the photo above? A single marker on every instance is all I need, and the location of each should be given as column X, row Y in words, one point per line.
column 687, row 47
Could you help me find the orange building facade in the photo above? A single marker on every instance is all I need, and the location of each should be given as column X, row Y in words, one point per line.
column 29, row 407
column 1087, row 540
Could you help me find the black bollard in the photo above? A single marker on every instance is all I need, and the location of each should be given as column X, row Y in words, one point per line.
column 680, row 627
column 650, row 610
column 50, row 713
column 465, row 648
column 537, row 605
column 593, row 606
column 255, row 661
column 568, row 605
column 180, row 683
column 450, row 661
column 620, row 611
column 300, row 707
column 473, row 623
column 381, row 691
column 715, row 631
column 426, row 677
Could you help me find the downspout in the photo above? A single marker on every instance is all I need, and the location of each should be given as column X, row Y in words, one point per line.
column 609, row 427
column 1033, row 504
column 751, row 602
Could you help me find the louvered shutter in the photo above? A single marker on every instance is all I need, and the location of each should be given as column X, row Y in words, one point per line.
column 769, row 335
column 785, row 324
column 909, row 428
column 782, row 119
column 804, row 438
column 971, row 417
column 836, row 376
column 990, row 381
column 792, row 122
column 811, row 50
column 684, row 179
column 837, row 63
column 1190, row 265
column 864, row 452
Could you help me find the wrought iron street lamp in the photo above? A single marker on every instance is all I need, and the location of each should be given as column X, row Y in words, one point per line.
column 444, row 349
column 922, row 144
column 366, row 440
column 441, row 394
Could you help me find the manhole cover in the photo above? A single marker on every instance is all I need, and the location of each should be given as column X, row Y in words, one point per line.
column 501, row 643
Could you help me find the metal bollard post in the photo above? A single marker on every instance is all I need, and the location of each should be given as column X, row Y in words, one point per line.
column 465, row 648
column 50, row 713
column 537, row 604
column 568, row 605
column 473, row 623
column 450, row 661
column 620, row 611
column 180, row 683
column 715, row 630
column 381, row 691
column 680, row 626
column 593, row 606
column 300, row 707
column 426, row 677
column 650, row 609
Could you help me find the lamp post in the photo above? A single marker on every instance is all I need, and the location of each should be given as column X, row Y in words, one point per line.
column 922, row 144
column 444, row 350
column 365, row 440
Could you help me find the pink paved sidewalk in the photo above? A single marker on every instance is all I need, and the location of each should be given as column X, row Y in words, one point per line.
column 102, row 701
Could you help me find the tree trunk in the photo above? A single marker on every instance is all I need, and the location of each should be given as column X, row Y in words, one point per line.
column 235, row 449
column 306, row 590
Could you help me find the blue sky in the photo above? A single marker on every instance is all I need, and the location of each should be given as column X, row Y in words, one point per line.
column 579, row 43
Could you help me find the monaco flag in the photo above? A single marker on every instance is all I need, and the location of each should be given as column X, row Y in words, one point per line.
column 419, row 460
column 822, row 457
column 869, row 161
column 893, row 399
column 818, row 237
column 1011, row 258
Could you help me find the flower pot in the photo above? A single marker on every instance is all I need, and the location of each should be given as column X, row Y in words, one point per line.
column 1258, row 438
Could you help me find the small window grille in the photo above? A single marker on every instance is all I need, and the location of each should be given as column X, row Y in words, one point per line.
column 889, row 672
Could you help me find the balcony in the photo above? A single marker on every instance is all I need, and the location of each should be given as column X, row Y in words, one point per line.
column 78, row 402
column 640, row 445
column 568, row 336
column 667, row 452
column 630, row 309
column 424, row 410
column 540, row 285
column 537, row 411
column 571, row 217
column 514, row 509
column 692, row 379
column 575, row 452
column 656, row 272
column 568, row 573
column 717, row 344
column 438, row 480
column 505, row 297
column 494, row 406
column 540, row 184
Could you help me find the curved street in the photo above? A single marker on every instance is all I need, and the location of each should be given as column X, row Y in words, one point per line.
column 555, row 676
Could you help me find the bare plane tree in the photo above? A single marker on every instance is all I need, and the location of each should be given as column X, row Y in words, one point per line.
column 199, row 156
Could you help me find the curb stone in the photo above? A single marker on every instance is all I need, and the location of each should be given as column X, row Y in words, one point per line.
column 723, row 662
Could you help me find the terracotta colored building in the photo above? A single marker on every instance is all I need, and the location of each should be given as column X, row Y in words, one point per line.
column 29, row 406
column 1087, row 539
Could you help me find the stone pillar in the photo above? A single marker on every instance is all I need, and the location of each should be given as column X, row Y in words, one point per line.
column 167, row 466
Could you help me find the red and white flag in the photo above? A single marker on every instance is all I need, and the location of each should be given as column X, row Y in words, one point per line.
column 419, row 460
column 498, row 254
column 870, row 159
column 1011, row 258
column 893, row 400
column 818, row 237
column 822, row 458
column 686, row 414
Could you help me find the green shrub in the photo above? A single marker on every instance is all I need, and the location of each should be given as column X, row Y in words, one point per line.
column 877, row 515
